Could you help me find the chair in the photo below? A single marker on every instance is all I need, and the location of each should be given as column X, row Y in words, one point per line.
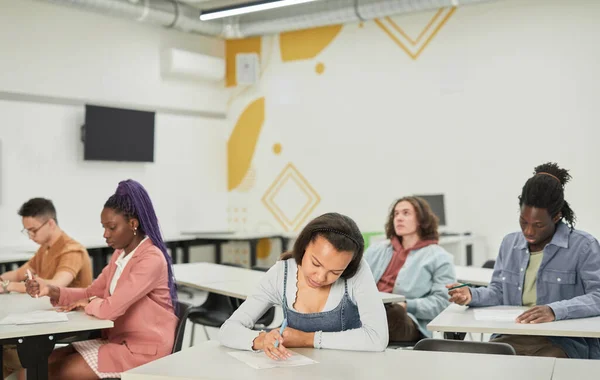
column 443, row 345
column 213, row 312
column 401, row 345
column 182, row 311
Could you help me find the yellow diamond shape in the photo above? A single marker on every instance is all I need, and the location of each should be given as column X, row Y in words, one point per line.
column 415, row 46
column 290, row 176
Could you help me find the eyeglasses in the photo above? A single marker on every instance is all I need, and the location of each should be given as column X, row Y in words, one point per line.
column 32, row 232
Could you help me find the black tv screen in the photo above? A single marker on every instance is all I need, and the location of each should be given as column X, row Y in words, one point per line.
column 115, row 134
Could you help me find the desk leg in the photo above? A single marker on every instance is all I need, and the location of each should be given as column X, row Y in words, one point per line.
column 218, row 252
column 454, row 335
column 285, row 242
column 33, row 353
column 1, row 359
column 185, row 250
column 469, row 251
column 253, row 244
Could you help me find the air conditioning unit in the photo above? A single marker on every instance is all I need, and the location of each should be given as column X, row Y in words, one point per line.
column 183, row 64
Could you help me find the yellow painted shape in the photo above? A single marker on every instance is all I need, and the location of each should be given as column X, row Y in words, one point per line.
column 277, row 148
column 242, row 142
column 306, row 44
column 263, row 249
column 232, row 48
column 320, row 68
column 397, row 29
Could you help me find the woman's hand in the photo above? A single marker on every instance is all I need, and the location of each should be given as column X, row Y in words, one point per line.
column 266, row 343
column 81, row 304
column 297, row 338
column 38, row 287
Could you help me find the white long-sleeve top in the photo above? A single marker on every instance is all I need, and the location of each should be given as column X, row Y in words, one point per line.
column 237, row 331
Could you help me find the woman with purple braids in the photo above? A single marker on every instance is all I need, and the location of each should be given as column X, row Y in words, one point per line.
column 136, row 290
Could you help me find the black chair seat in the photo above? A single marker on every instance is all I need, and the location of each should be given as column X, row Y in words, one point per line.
column 213, row 317
column 464, row 346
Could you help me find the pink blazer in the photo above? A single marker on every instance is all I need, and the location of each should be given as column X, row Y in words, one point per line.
column 140, row 307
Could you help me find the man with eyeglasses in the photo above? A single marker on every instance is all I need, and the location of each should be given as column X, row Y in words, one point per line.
column 60, row 260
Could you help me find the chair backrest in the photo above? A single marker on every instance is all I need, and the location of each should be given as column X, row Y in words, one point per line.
column 489, row 264
column 446, row 345
column 182, row 313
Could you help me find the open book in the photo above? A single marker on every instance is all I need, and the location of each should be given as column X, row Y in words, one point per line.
column 259, row 360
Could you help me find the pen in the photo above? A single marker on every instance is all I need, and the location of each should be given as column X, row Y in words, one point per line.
column 459, row 286
column 283, row 326
column 30, row 277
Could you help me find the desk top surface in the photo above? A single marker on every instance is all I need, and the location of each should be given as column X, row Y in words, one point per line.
column 232, row 281
column 473, row 275
column 209, row 360
column 457, row 318
column 21, row 303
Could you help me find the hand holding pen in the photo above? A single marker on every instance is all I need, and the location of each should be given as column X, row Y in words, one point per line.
column 459, row 293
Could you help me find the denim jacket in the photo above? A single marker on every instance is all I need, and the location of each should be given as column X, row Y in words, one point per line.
column 568, row 281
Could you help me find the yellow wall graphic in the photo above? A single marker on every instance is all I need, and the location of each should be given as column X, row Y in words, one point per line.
column 306, row 44
column 415, row 46
column 242, row 142
column 232, row 48
column 291, row 176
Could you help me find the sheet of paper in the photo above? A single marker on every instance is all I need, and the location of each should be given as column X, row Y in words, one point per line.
column 33, row 317
column 259, row 360
column 497, row 315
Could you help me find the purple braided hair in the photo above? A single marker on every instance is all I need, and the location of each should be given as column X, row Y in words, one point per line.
column 132, row 199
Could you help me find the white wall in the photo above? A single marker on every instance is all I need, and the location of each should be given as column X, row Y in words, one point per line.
column 60, row 51
column 55, row 51
column 504, row 86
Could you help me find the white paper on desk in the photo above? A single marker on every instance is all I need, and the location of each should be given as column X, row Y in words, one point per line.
column 33, row 317
column 259, row 360
column 497, row 315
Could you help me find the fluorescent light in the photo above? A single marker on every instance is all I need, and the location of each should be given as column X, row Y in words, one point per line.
column 256, row 6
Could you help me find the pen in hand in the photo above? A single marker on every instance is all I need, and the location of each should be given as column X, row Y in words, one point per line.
column 30, row 277
column 283, row 326
column 459, row 286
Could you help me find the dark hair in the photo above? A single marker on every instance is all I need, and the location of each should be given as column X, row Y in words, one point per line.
column 132, row 201
column 339, row 230
column 37, row 207
column 546, row 190
column 428, row 221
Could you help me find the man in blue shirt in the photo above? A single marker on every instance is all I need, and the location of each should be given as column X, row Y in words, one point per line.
column 549, row 266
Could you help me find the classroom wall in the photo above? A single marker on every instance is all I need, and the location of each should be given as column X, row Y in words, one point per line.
column 57, row 52
column 462, row 101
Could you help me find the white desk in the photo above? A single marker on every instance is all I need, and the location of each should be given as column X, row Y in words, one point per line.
column 473, row 275
column 232, row 281
column 569, row 369
column 462, row 319
column 211, row 361
column 35, row 342
column 13, row 258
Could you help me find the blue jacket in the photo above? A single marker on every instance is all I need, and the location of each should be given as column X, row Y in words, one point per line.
column 568, row 281
column 422, row 279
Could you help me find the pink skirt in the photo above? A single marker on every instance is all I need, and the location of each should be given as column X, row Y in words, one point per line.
column 88, row 349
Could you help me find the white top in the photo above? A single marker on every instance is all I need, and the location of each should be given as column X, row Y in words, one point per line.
column 462, row 319
column 208, row 360
column 121, row 263
column 237, row 331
